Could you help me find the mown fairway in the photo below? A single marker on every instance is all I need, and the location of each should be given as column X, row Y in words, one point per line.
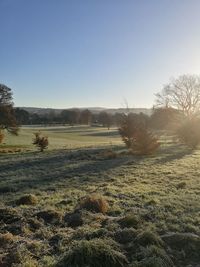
column 160, row 193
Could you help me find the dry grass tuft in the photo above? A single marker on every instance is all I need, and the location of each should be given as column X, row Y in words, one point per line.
column 94, row 203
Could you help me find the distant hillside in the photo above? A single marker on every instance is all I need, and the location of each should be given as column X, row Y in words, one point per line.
column 43, row 111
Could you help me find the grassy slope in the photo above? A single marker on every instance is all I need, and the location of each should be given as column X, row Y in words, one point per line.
column 65, row 136
column 163, row 190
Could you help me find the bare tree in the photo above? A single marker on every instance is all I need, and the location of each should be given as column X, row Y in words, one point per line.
column 182, row 93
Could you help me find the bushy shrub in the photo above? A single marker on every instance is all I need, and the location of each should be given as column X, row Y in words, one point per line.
column 94, row 203
column 165, row 118
column 137, row 136
column 40, row 141
column 93, row 253
column 189, row 133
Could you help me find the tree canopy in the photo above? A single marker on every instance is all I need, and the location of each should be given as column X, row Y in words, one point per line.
column 182, row 93
column 7, row 114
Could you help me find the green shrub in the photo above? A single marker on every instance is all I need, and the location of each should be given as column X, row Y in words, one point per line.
column 27, row 200
column 93, row 253
column 136, row 134
column 94, row 203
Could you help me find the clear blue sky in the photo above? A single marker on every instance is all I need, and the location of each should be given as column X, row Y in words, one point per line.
column 67, row 53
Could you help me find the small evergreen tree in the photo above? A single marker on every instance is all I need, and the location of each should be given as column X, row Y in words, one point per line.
column 40, row 141
column 136, row 134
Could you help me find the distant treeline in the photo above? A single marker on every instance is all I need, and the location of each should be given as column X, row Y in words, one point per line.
column 71, row 117
column 159, row 119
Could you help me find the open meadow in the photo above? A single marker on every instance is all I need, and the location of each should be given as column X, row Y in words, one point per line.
column 139, row 211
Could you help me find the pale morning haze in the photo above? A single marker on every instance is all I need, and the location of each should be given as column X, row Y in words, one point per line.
column 99, row 133
column 75, row 53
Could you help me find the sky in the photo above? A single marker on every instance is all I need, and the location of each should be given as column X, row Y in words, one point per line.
column 96, row 53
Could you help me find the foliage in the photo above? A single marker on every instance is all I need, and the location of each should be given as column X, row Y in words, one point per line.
column 189, row 132
column 40, row 141
column 93, row 253
column 70, row 116
column 105, row 119
column 22, row 116
column 85, row 117
column 182, row 93
column 94, row 203
column 165, row 118
column 136, row 135
column 7, row 115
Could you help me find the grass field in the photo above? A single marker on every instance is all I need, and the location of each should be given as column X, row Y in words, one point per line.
column 65, row 137
column 153, row 217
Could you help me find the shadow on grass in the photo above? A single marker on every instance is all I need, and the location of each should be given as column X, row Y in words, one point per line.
column 103, row 134
column 64, row 168
column 43, row 170
column 173, row 152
